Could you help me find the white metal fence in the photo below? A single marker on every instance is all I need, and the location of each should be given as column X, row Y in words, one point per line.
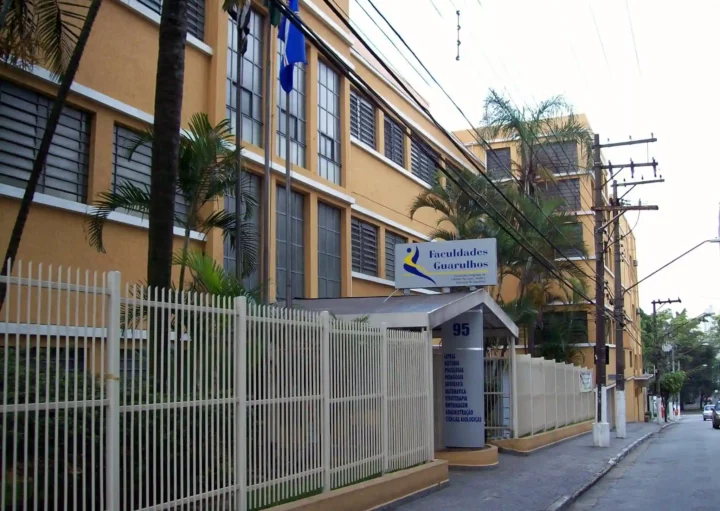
column 160, row 400
column 549, row 395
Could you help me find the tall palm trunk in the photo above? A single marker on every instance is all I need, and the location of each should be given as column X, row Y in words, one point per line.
column 166, row 142
column 66, row 81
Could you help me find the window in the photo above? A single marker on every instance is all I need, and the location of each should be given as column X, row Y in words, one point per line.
column 297, row 245
column 394, row 142
column 297, row 114
column 329, row 252
column 23, row 115
column 328, row 123
column 391, row 239
column 566, row 190
column 362, row 119
column 364, row 247
column 558, row 157
column 424, row 161
column 570, row 325
column 136, row 170
column 498, row 163
column 195, row 15
column 253, row 187
column 252, row 80
column 573, row 246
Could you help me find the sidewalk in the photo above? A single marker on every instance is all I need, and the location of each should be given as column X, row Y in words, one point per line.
column 529, row 483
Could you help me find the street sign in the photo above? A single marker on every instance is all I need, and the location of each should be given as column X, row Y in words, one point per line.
column 462, row 263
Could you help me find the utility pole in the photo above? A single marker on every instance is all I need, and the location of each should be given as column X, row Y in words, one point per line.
column 656, row 348
column 619, row 310
column 601, row 429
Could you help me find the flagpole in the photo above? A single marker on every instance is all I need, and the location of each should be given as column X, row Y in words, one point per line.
column 288, row 207
column 238, row 144
column 267, row 178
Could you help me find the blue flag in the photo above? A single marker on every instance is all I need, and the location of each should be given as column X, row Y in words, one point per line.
column 294, row 48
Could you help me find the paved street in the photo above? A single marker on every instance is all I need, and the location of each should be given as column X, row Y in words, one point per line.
column 530, row 483
column 678, row 469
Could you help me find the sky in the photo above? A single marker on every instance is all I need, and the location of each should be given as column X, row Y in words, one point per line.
column 634, row 67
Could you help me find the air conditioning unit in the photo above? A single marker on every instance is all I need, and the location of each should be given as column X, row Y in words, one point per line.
column 635, row 263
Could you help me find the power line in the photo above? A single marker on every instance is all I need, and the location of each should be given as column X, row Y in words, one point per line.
column 358, row 81
column 345, row 20
column 632, row 32
column 488, row 147
column 602, row 45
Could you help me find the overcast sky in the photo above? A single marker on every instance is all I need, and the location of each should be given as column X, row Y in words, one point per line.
column 667, row 83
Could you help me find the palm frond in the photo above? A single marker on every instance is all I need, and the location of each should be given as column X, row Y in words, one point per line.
column 249, row 237
column 18, row 44
column 127, row 196
column 57, row 31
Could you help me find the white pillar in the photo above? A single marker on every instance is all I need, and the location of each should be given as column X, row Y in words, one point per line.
column 658, row 406
column 601, row 428
column 621, row 414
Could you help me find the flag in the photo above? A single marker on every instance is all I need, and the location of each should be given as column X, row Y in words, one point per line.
column 294, row 52
column 273, row 12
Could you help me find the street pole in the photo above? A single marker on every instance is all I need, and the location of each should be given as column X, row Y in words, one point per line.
column 288, row 208
column 241, row 24
column 601, row 429
column 658, row 357
column 621, row 419
column 265, row 273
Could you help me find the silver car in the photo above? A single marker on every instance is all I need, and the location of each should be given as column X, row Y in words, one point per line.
column 707, row 412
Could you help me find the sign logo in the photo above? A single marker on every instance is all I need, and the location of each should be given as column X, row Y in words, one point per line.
column 411, row 266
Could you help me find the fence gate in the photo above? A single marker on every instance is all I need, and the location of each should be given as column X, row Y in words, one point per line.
column 498, row 404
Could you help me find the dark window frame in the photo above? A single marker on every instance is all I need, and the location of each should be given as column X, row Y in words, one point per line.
column 23, row 116
column 195, row 15
column 365, row 247
column 424, row 161
column 328, row 129
column 298, row 114
column 329, row 251
column 394, row 141
column 391, row 239
column 362, row 118
column 141, row 160
column 297, row 242
column 252, row 80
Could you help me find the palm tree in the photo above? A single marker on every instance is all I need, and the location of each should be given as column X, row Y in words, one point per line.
column 46, row 28
column 169, row 83
column 207, row 172
column 464, row 216
column 532, row 129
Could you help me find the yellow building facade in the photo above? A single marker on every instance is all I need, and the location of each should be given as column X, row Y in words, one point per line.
column 573, row 183
column 355, row 170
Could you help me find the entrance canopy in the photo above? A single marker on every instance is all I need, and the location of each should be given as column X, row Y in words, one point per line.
column 417, row 311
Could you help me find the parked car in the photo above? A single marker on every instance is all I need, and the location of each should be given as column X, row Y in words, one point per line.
column 716, row 416
column 707, row 412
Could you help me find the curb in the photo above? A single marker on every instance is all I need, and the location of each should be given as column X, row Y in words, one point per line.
column 565, row 501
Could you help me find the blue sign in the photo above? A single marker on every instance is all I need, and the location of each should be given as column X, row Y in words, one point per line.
column 462, row 263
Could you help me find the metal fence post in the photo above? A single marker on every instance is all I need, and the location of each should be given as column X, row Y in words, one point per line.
column 557, row 398
column 241, row 401
column 515, row 391
column 384, row 390
column 326, row 440
column 112, row 440
column 531, row 381
column 430, row 437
